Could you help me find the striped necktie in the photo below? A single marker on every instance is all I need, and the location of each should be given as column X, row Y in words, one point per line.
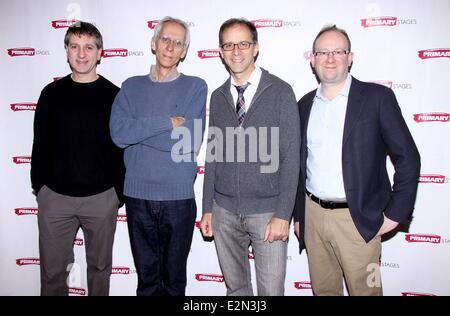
column 240, row 104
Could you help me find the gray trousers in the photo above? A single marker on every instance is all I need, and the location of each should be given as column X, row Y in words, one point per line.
column 233, row 234
column 59, row 218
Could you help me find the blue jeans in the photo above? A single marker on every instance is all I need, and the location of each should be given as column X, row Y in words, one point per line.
column 160, row 235
column 233, row 234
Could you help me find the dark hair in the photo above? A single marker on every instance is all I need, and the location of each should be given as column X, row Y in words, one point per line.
column 228, row 23
column 84, row 28
column 334, row 28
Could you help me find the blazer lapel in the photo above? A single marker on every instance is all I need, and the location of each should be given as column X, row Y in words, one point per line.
column 305, row 117
column 305, row 111
column 354, row 108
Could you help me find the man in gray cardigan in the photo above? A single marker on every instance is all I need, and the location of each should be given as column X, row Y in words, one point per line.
column 252, row 166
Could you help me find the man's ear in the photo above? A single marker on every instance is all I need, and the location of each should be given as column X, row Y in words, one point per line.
column 99, row 55
column 312, row 60
column 183, row 54
column 256, row 50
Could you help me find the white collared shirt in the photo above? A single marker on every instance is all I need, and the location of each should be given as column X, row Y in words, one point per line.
column 249, row 93
column 324, row 144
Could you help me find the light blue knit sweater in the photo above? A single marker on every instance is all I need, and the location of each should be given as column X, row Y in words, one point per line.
column 140, row 123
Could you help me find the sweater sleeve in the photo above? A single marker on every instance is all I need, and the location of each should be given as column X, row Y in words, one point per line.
column 289, row 155
column 190, row 134
column 126, row 129
column 210, row 166
column 41, row 141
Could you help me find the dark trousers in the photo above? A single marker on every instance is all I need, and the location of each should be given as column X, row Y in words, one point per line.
column 59, row 219
column 160, row 235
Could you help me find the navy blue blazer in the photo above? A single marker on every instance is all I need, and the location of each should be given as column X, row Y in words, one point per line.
column 374, row 128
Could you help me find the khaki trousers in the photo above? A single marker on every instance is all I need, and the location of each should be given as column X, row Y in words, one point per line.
column 59, row 218
column 336, row 251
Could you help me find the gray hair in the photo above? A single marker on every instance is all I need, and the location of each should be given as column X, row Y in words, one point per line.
column 187, row 36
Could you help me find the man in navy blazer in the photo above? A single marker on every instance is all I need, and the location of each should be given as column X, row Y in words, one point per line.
column 345, row 200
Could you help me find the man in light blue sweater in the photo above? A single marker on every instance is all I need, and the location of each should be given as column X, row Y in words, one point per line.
column 251, row 173
column 160, row 174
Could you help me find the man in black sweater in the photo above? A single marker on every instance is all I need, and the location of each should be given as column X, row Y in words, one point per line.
column 76, row 170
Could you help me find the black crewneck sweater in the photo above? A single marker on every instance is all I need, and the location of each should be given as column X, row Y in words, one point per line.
column 73, row 153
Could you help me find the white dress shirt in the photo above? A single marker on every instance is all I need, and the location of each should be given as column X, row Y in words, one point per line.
column 250, row 91
column 324, row 144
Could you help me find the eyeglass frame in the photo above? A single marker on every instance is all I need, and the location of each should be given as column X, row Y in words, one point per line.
column 177, row 44
column 336, row 53
column 237, row 44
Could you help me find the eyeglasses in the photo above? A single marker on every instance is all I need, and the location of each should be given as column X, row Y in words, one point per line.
column 241, row 45
column 338, row 53
column 166, row 40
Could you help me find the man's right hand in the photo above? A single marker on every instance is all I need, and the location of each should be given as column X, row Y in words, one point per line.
column 177, row 121
column 205, row 225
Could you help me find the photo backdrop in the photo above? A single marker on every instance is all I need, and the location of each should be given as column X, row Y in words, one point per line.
column 401, row 44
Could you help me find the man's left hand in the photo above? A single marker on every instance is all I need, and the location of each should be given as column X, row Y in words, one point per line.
column 388, row 225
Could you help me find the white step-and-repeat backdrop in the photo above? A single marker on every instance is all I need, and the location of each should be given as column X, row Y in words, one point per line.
column 402, row 44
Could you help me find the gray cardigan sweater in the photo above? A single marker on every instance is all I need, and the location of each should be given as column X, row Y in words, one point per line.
column 253, row 169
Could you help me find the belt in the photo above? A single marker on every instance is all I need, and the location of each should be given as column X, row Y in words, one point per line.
column 326, row 204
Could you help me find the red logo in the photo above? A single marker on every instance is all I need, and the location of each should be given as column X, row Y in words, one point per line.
column 434, row 239
column 303, row 285
column 434, row 53
column 78, row 242
column 267, row 23
column 21, row 51
column 26, row 211
column 23, row 107
column 27, row 261
column 152, row 24
column 121, row 217
column 209, row 277
column 197, row 224
column 385, row 83
column 201, row 169
column 77, row 291
column 120, row 270
column 59, row 24
column 251, row 256
column 379, row 21
column 432, row 178
column 308, row 54
column 209, row 53
column 416, row 294
column 115, row 52
column 21, row 159
column 57, row 78
column 432, row 117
